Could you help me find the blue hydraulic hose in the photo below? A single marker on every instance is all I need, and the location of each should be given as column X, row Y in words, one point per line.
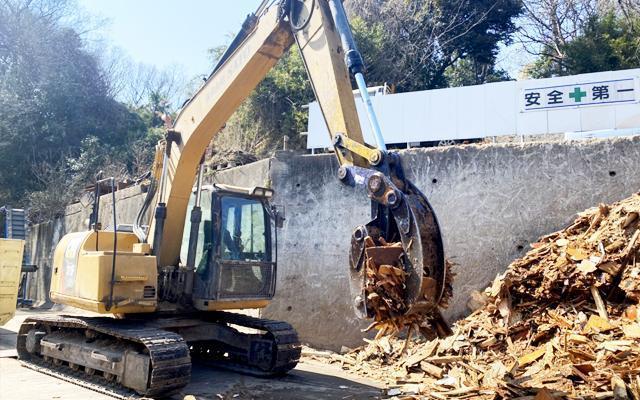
column 373, row 120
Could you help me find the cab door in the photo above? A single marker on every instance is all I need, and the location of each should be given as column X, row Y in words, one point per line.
column 244, row 263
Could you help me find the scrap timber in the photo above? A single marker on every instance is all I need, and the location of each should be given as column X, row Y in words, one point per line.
column 562, row 322
column 385, row 290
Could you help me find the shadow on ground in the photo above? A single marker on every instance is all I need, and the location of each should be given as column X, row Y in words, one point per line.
column 309, row 380
column 7, row 343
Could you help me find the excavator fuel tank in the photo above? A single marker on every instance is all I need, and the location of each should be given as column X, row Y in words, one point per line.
column 83, row 269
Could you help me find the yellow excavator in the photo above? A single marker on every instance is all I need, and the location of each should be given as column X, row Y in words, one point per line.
column 167, row 288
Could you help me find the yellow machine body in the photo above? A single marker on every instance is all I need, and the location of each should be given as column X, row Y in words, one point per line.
column 11, row 251
column 83, row 262
column 81, row 276
column 82, row 272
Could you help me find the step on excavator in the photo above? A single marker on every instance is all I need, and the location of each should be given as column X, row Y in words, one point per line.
column 166, row 291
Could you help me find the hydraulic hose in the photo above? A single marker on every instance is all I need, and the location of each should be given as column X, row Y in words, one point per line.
column 355, row 63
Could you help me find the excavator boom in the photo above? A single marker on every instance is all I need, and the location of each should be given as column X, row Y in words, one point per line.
column 265, row 38
column 206, row 114
column 400, row 211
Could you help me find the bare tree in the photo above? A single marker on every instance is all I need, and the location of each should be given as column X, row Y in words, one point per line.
column 548, row 25
column 112, row 63
column 51, row 11
column 23, row 18
column 237, row 135
column 630, row 9
column 141, row 158
column 627, row 8
column 135, row 83
column 50, row 201
column 424, row 37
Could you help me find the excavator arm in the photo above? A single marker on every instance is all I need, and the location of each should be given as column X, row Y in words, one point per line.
column 400, row 213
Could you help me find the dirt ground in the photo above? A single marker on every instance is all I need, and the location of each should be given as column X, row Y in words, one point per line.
column 309, row 380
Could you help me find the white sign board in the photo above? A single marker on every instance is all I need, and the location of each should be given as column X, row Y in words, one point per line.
column 579, row 94
column 598, row 101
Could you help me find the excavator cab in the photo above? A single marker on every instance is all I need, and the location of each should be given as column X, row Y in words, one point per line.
column 235, row 254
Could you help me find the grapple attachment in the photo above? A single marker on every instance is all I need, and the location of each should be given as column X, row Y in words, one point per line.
column 397, row 263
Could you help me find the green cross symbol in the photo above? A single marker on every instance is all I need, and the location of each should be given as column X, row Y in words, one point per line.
column 577, row 95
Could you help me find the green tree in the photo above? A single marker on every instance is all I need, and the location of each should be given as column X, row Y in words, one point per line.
column 607, row 42
column 59, row 122
column 419, row 40
column 467, row 72
column 48, row 87
column 410, row 45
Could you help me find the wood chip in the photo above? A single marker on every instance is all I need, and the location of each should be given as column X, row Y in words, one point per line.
column 602, row 309
column 619, row 388
column 531, row 357
column 632, row 331
column 545, row 394
column 597, row 324
column 560, row 322
column 577, row 254
column 431, row 369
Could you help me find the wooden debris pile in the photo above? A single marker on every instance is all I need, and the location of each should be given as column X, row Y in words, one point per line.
column 385, row 290
column 561, row 322
column 598, row 250
column 385, row 281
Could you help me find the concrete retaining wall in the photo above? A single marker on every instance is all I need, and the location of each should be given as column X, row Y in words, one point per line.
column 491, row 201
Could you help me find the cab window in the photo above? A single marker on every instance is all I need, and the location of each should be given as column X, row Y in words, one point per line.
column 244, row 230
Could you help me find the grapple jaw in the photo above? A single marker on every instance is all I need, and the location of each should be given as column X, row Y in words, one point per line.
column 404, row 232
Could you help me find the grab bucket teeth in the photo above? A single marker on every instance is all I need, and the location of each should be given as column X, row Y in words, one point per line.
column 397, row 259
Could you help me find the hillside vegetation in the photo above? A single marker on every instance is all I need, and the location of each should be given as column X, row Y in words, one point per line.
column 69, row 108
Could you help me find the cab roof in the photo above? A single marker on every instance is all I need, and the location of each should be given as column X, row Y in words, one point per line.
column 255, row 191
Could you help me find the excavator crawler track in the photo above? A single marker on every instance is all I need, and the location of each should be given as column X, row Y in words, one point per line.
column 170, row 362
column 273, row 353
column 80, row 379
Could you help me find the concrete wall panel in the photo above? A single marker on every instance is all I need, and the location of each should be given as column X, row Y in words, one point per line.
column 492, row 201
